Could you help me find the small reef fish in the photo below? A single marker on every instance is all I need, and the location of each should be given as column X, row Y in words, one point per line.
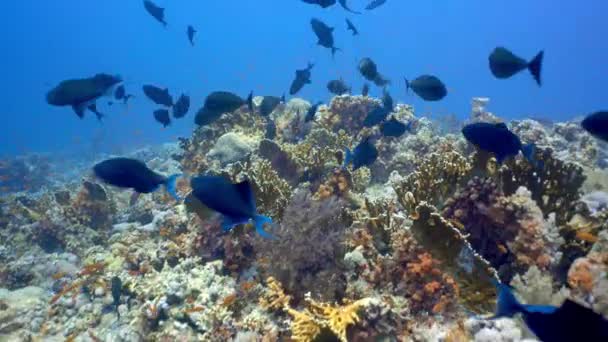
column 158, row 95
column 498, row 139
column 350, row 26
column 428, row 87
column 218, row 103
column 369, row 71
column 181, row 107
column 394, row 128
column 325, row 35
column 312, row 111
column 155, row 11
column 235, row 202
column 134, row 174
column 302, row 78
column 567, row 322
column 120, row 94
column 597, row 125
column 364, row 154
column 338, row 87
column 162, row 116
column 322, row 3
column 504, row 64
column 375, row 4
column 191, row 32
column 365, row 90
column 81, row 94
column 346, row 7
column 116, row 287
column 269, row 104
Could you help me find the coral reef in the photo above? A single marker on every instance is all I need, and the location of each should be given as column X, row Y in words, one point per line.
column 401, row 250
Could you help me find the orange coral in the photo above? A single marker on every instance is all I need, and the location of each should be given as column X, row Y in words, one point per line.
column 580, row 276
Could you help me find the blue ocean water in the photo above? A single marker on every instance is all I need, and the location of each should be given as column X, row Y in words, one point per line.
column 257, row 45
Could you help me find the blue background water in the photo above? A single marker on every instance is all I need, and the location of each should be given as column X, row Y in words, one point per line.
column 258, row 44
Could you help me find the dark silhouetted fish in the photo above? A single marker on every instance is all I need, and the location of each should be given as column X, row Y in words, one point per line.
column 597, row 125
column 302, row 78
column 269, row 103
column 82, row 93
column 568, row 322
column 162, row 116
column 350, row 26
column 375, row 4
column 181, row 107
column 325, row 34
column 157, row 12
column 93, row 108
column 158, row 95
column 379, row 114
column 394, row 128
column 191, row 32
column 504, row 64
column 365, row 90
column 428, row 87
column 338, row 87
column 387, row 101
column 134, row 174
column 498, row 139
column 369, row 70
column 235, row 202
column 312, row 111
column 364, row 154
column 116, row 286
column 218, row 103
column 322, row 3
column 121, row 94
column 345, row 6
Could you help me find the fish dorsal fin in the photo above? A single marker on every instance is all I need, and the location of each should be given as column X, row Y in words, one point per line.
column 244, row 189
column 501, row 125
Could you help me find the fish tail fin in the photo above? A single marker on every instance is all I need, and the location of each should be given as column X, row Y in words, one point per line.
column 171, row 186
column 348, row 157
column 407, row 85
column 333, row 51
column 507, row 305
column 260, row 221
column 535, row 67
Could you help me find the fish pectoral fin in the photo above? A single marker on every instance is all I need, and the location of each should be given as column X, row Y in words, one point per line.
column 79, row 109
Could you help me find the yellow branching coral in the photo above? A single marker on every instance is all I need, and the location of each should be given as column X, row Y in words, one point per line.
column 309, row 323
column 338, row 318
column 275, row 298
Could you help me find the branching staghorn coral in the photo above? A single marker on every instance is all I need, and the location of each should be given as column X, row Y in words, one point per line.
column 434, row 180
column 309, row 323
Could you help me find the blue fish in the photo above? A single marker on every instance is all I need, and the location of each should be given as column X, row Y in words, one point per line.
column 379, row 114
column 134, row 174
column 234, row 201
column 364, row 154
column 498, row 139
column 394, row 128
column 568, row 322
